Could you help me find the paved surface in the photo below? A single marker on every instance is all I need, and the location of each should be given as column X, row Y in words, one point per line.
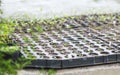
column 51, row 8
column 108, row 69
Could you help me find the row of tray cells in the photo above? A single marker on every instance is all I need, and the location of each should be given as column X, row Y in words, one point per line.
column 106, row 36
column 62, row 43
column 104, row 43
column 97, row 40
column 56, row 45
column 113, row 33
column 62, row 47
column 78, row 43
column 97, row 20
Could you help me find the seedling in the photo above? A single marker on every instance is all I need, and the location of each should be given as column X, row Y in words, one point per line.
column 26, row 39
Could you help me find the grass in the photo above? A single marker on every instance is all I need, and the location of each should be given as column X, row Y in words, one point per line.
column 7, row 48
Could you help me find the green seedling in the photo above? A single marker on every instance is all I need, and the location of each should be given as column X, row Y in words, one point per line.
column 26, row 39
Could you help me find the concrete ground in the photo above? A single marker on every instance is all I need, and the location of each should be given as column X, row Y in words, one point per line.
column 108, row 69
column 50, row 8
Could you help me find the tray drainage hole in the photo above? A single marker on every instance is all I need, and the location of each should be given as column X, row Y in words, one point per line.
column 110, row 34
column 53, row 43
column 54, row 36
column 71, row 39
column 75, row 42
column 69, row 56
column 39, row 41
column 104, row 52
column 68, row 46
column 60, row 40
column 86, row 41
column 45, row 57
column 91, row 44
column 60, row 49
column 57, row 57
column 84, row 55
column 109, row 39
column 96, row 46
column 72, row 49
column 47, row 38
column 43, row 44
column 79, row 31
column 80, row 38
column 49, row 51
column 93, row 54
column 56, row 46
column 77, row 52
column 65, row 43
column 67, row 37
column 38, row 50
column 79, row 55
column 110, row 48
column 36, row 47
column 81, row 45
column 99, row 49
column 65, row 53
column 88, row 51
column 42, row 54
column 77, row 36
column 85, row 48
column 99, row 42
column 115, row 51
column 103, row 45
column 100, row 35
column 53, row 54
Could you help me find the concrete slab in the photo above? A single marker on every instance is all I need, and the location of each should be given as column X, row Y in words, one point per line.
column 108, row 69
column 51, row 8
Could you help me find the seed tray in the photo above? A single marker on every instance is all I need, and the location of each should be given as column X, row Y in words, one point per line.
column 78, row 46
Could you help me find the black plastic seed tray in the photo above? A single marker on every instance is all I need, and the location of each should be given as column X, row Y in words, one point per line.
column 70, row 47
column 81, row 45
